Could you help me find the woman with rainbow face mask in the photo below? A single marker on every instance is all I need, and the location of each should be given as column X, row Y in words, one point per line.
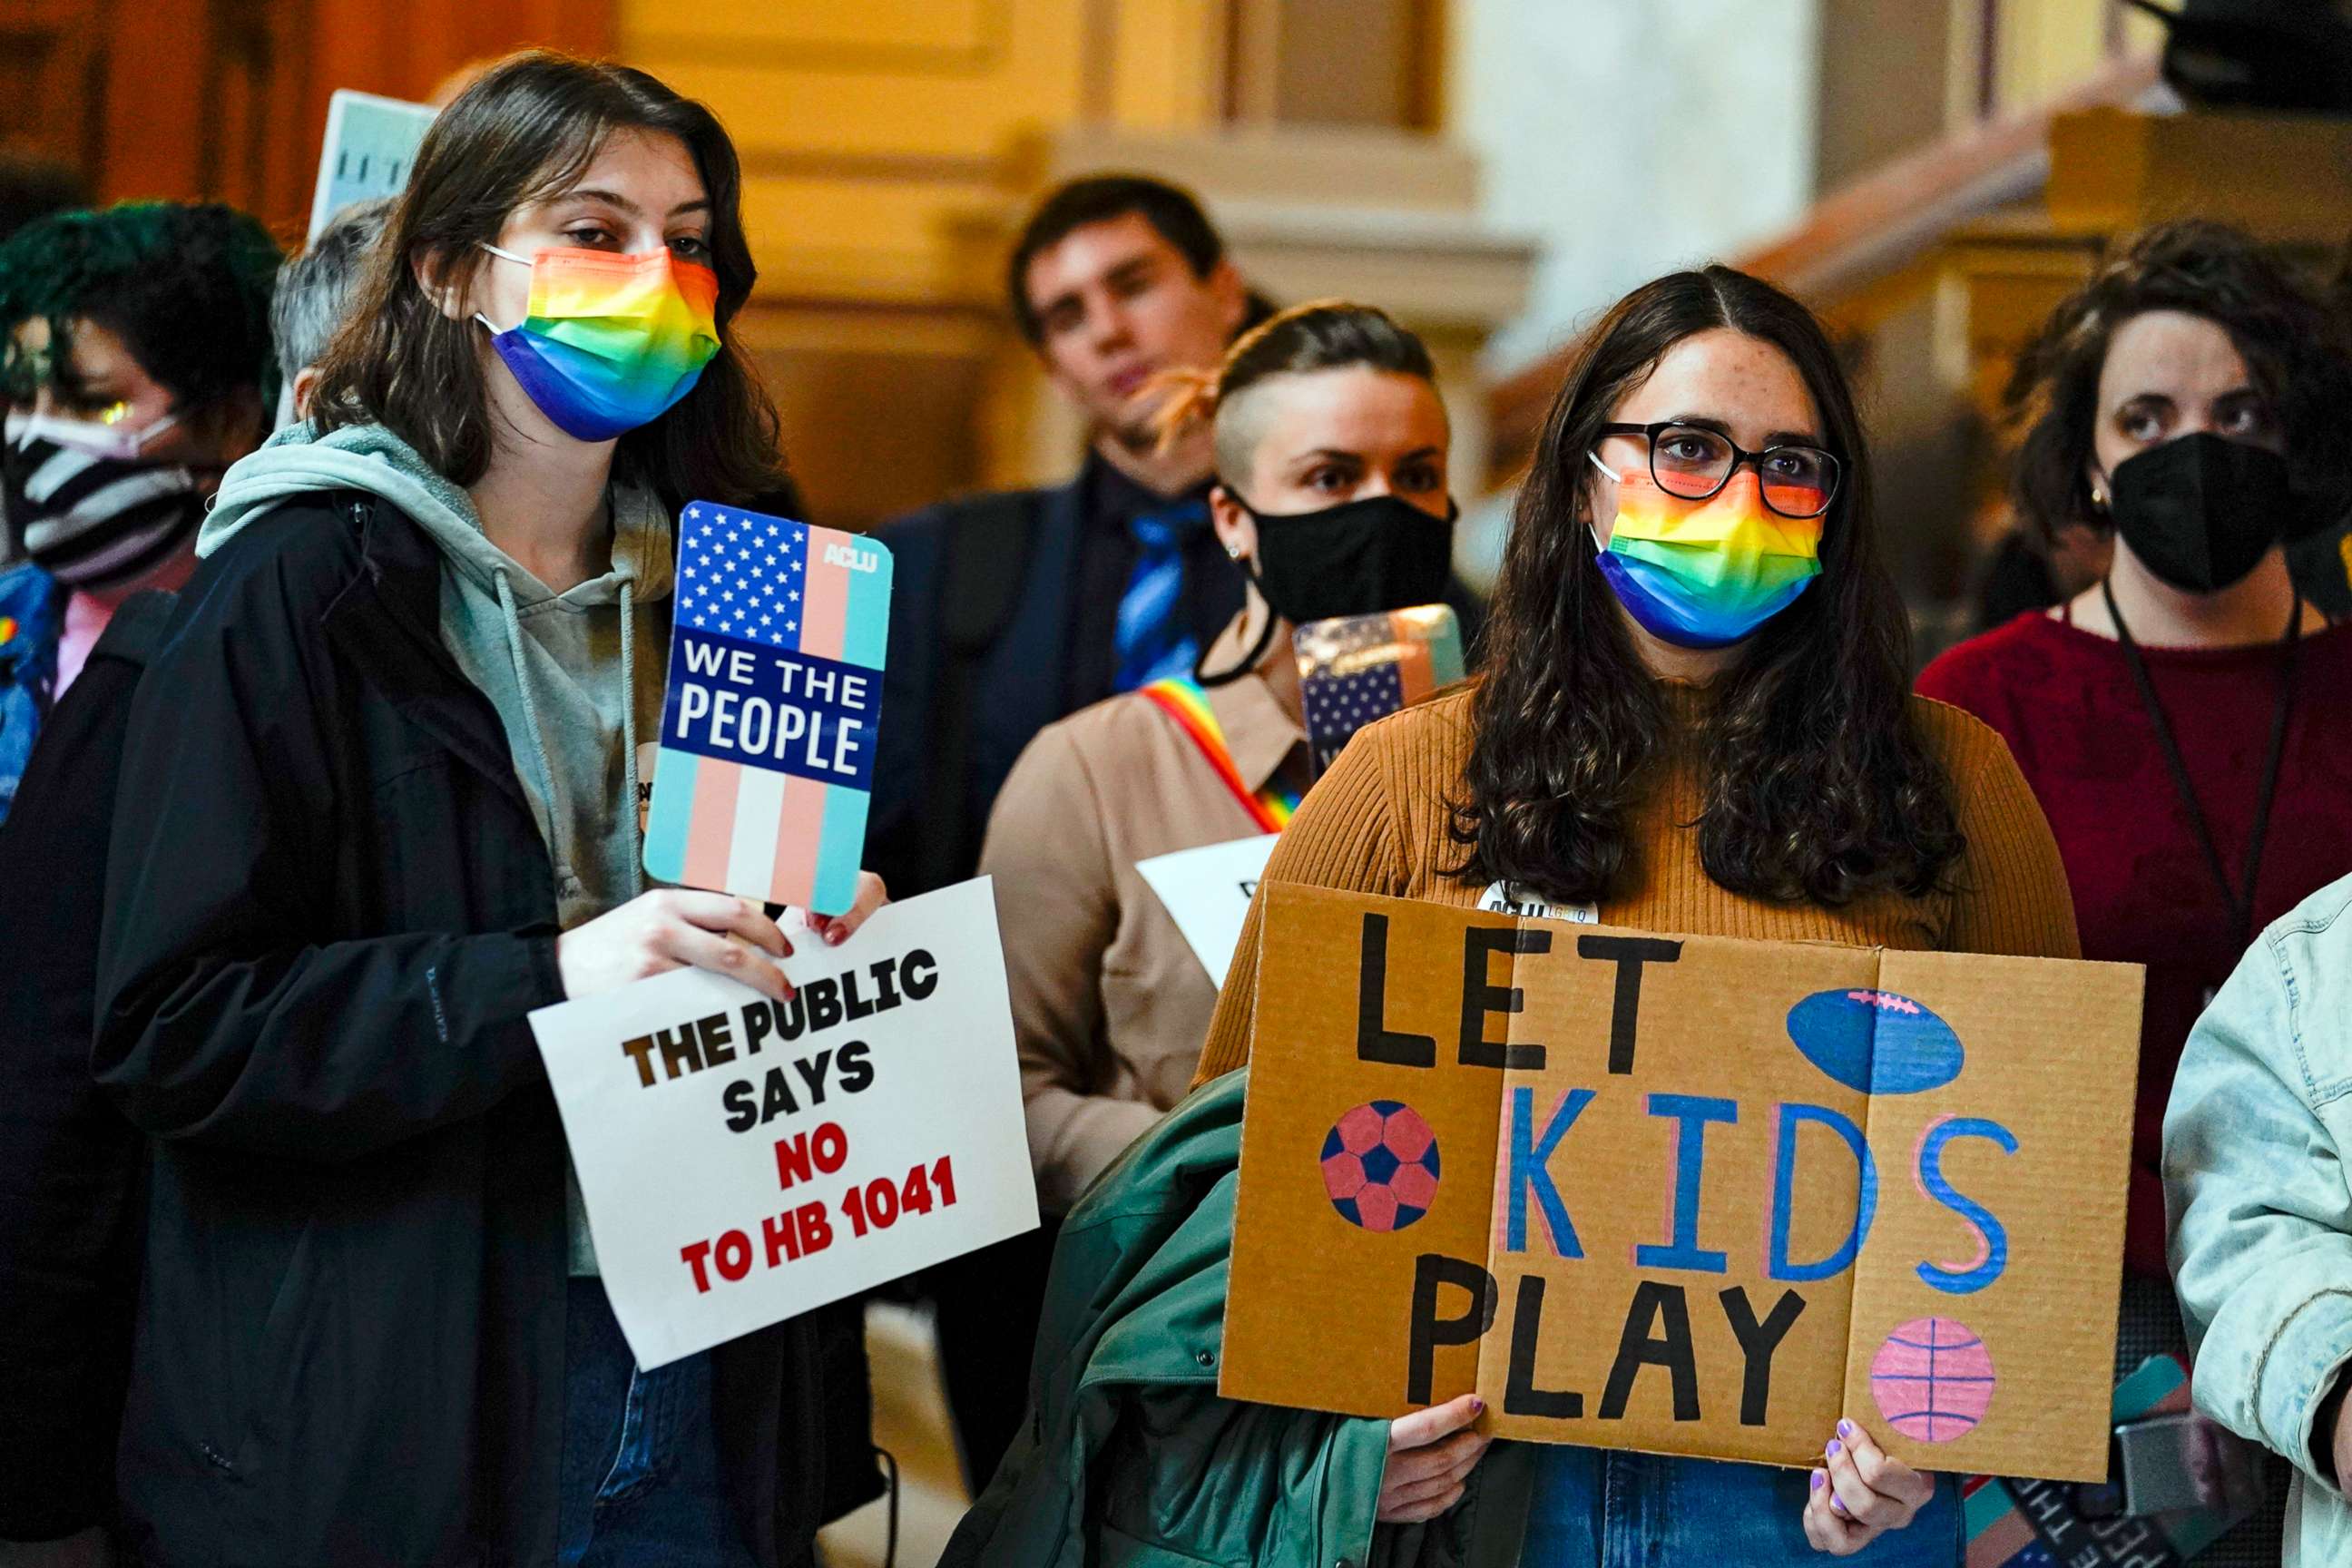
column 381, row 800
column 1693, row 718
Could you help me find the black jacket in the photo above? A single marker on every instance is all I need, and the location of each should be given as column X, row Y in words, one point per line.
column 71, row 1165
column 328, row 911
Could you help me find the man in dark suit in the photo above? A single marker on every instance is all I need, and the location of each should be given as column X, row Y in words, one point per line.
column 1012, row 610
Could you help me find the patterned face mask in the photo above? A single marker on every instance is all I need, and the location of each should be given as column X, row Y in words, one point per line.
column 1705, row 573
column 609, row 342
column 84, row 505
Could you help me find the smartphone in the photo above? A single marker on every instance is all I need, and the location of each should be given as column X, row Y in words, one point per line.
column 1353, row 670
column 2161, row 1466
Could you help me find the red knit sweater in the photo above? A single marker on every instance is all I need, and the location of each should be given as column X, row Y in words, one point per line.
column 2066, row 701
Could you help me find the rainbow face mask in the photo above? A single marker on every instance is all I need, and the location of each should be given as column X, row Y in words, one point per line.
column 610, row 342
column 1705, row 573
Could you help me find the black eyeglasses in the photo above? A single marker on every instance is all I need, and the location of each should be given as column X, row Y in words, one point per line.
column 1693, row 463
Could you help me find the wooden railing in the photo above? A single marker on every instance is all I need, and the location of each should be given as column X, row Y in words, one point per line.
column 1858, row 237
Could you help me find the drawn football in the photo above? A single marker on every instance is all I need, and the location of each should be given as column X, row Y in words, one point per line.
column 1380, row 1165
column 1876, row 1042
column 1933, row 1379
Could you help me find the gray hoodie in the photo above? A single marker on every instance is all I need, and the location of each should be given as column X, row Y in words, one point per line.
column 555, row 665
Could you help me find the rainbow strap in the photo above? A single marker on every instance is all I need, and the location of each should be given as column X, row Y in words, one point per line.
column 1706, row 574
column 1189, row 706
column 612, row 343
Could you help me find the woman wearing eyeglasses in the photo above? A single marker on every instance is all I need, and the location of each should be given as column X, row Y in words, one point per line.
column 2181, row 720
column 1694, row 718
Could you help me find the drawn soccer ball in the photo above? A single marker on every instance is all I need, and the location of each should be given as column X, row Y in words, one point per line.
column 1380, row 1165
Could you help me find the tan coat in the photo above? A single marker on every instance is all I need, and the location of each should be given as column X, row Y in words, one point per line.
column 1109, row 1004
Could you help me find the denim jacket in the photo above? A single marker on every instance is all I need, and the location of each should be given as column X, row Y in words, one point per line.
column 2254, row 1147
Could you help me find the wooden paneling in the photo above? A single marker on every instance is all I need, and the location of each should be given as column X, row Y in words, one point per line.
column 226, row 100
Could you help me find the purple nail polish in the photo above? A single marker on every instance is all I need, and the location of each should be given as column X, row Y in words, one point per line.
column 1835, row 1449
column 1845, row 1428
column 1820, row 1480
column 1837, row 1503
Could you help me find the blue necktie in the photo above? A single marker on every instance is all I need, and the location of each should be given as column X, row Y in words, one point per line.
column 1153, row 642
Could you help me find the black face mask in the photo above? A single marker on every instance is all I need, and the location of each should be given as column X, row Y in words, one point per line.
column 2201, row 511
column 1358, row 558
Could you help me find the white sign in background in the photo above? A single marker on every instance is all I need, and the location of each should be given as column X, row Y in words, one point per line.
column 1207, row 892
column 744, row 1162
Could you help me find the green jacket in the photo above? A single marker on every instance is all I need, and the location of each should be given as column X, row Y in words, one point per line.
column 1129, row 1459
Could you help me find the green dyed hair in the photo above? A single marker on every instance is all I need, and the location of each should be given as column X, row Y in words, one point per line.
column 185, row 286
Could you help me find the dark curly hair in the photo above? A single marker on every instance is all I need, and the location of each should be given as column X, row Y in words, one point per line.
column 185, row 286
column 1818, row 786
column 2295, row 346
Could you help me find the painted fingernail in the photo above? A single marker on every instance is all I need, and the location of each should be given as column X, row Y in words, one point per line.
column 1820, row 1480
column 834, row 936
column 1478, row 1406
column 1835, row 1449
column 1837, row 1503
column 1845, row 1428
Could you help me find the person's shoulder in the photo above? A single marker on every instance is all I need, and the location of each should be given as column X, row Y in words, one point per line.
column 2017, row 650
column 279, row 575
column 1960, row 742
column 1439, row 729
column 933, row 522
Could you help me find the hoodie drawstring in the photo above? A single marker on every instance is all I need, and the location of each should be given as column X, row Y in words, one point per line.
column 530, row 711
column 629, row 738
column 629, row 725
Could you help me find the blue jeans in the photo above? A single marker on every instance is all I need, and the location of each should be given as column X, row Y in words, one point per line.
column 1596, row 1509
column 640, row 1479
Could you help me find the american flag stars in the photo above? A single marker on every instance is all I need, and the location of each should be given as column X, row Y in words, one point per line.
column 731, row 577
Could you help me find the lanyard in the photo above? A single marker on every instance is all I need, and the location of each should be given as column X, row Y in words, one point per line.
column 1181, row 700
column 2240, row 904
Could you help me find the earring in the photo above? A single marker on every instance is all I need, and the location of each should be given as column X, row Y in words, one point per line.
column 2098, row 498
column 1232, row 553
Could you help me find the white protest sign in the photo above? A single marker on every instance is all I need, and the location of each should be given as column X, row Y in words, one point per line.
column 1207, row 892
column 745, row 1161
column 371, row 142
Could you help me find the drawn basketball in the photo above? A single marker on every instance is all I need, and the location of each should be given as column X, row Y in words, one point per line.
column 1933, row 1379
column 1380, row 1165
column 1876, row 1042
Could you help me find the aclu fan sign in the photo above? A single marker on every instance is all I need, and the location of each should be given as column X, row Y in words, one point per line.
column 744, row 1161
column 1686, row 1194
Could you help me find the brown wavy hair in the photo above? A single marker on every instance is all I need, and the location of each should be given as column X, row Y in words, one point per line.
column 1818, row 787
column 526, row 131
column 2295, row 342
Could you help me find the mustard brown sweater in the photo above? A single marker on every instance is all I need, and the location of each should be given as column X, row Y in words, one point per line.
column 1377, row 824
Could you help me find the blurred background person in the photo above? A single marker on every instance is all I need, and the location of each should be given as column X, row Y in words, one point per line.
column 70, row 1163
column 314, row 289
column 135, row 368
column 2180, row 720
column 1011, row 610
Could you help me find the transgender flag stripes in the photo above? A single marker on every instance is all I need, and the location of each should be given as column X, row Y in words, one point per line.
column 766, row 757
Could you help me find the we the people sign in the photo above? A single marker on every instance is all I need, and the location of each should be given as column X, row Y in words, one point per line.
column 1691, row 1195
column 745, row 1160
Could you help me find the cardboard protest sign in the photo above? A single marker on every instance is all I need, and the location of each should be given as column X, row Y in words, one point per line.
column 744, row 1161
column 1207, row 893
column 1686, row 1194
column 775, row 700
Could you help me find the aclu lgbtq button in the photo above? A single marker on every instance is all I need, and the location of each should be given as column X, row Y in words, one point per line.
column 777, row 642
